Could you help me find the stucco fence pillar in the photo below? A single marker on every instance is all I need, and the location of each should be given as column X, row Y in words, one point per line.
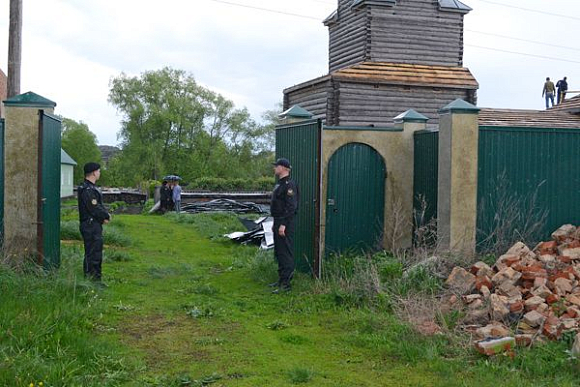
column 21, row 171
column 395, row 145
column 457, row 177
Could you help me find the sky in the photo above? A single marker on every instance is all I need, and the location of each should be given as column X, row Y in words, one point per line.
column 73, row 48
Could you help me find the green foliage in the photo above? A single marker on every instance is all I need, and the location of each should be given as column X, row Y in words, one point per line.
column 300, row 375
column 47, row 324
column 264, row 183
column 69, row 230
column 172, row 125
column 112, row 235
column 80, row 144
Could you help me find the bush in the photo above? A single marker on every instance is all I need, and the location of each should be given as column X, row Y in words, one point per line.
column 112, row 235
column 69, row 230
column 237, row 184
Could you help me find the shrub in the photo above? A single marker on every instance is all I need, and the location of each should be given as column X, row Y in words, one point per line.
column 112, row 235
column 69, row 230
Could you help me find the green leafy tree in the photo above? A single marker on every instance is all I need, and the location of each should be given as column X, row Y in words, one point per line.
column 173, row 125
column 81, row 144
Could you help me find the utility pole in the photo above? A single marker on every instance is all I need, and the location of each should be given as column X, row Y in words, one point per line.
column 14, row 48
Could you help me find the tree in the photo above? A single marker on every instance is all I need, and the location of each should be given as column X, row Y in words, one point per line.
column 81, row 144
column 173, row 125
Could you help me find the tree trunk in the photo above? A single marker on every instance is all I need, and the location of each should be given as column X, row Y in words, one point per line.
column 14, row 48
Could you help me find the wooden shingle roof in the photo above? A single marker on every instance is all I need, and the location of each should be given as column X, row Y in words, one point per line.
column 528, row 118
column 571, row 105
column 408, row 74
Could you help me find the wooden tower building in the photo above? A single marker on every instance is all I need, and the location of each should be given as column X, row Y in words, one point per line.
column 388, row 56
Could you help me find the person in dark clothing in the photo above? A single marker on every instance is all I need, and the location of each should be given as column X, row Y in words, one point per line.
column 165, row 197
column 92, row 216
column 283, row 208
column 562, row 86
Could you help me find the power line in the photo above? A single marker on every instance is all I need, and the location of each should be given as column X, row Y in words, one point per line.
column 469, row 45
column 267, row 10
column 523, row 40
column 523, row 53
column 531, row 10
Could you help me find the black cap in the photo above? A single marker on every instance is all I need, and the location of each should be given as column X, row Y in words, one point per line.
column 283, row 162
column 91, row 167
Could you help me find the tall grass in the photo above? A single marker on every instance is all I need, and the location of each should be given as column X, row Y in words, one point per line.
column 112, row 233
column 47, row 323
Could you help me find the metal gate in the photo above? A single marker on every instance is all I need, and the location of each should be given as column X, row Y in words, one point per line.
column 425, row 184
column 300, row 143
column 355, row 206
column 1, row 182
column 49, row 191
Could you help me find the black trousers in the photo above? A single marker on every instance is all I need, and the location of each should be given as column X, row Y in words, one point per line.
column 284, row 252
column 92, row 233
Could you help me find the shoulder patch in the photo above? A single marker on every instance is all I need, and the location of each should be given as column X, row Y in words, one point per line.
column 290, row 192
column 94, row 202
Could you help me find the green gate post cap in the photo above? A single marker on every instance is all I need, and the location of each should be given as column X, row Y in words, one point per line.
column 460, row 106
column 29, row 99
column 296, row 111
column 410, row 116
column 454, row 6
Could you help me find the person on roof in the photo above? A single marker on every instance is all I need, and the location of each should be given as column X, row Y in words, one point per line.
column 562, row 86
column 548, row 92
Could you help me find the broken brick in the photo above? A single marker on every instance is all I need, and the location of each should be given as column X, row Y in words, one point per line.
column 461, row 281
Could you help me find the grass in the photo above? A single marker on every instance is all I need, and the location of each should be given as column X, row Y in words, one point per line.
column 185, row 307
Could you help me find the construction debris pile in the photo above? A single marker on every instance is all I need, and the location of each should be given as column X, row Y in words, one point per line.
column 535, row 292
column 259, row 233
column 223, row 205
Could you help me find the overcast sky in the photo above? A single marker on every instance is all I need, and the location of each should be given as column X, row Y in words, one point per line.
column 72, row 48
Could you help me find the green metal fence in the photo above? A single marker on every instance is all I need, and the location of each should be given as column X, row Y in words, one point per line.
column 300, row 143
column 426, row 165
column 1, row 181
column 50, row 190
column 529, row 174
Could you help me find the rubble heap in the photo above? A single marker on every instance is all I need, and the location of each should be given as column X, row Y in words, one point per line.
column 535, row 292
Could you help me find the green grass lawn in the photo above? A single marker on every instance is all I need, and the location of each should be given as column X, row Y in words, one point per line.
column 187, row 308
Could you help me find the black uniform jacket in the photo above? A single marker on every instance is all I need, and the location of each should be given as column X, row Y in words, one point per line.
column 284, row 200
column 91, row 203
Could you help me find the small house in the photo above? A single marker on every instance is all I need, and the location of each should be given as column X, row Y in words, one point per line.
column 67, row 165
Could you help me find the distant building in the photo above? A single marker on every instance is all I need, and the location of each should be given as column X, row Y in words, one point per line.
column 67, row 165
column 3, row 90
column 108, row 152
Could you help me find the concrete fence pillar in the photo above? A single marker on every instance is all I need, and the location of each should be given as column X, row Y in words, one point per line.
column 401, row 169
column 21, row 172
column 457, row 188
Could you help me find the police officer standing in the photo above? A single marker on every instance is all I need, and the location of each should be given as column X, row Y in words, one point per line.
column 283, row 208
column 92, row 216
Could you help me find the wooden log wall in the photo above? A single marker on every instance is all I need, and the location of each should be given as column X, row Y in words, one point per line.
column 349, row 38
column 313, row 97
column 368, row 104
column 416, row 31
column 412, row 31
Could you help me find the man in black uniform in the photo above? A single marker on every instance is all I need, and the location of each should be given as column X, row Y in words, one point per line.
column 283, row 208
column 92, row 216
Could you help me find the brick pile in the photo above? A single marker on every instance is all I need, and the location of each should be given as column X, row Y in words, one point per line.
column 527, row 294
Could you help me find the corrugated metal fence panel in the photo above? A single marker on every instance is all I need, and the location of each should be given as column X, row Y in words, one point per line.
column 51, row 145
column 356, row 199
column 425, row 178
column 1, row 181
column 300, row 143
column 535, row 169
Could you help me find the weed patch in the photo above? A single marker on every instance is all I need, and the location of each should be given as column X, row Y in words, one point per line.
column 299, row 375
